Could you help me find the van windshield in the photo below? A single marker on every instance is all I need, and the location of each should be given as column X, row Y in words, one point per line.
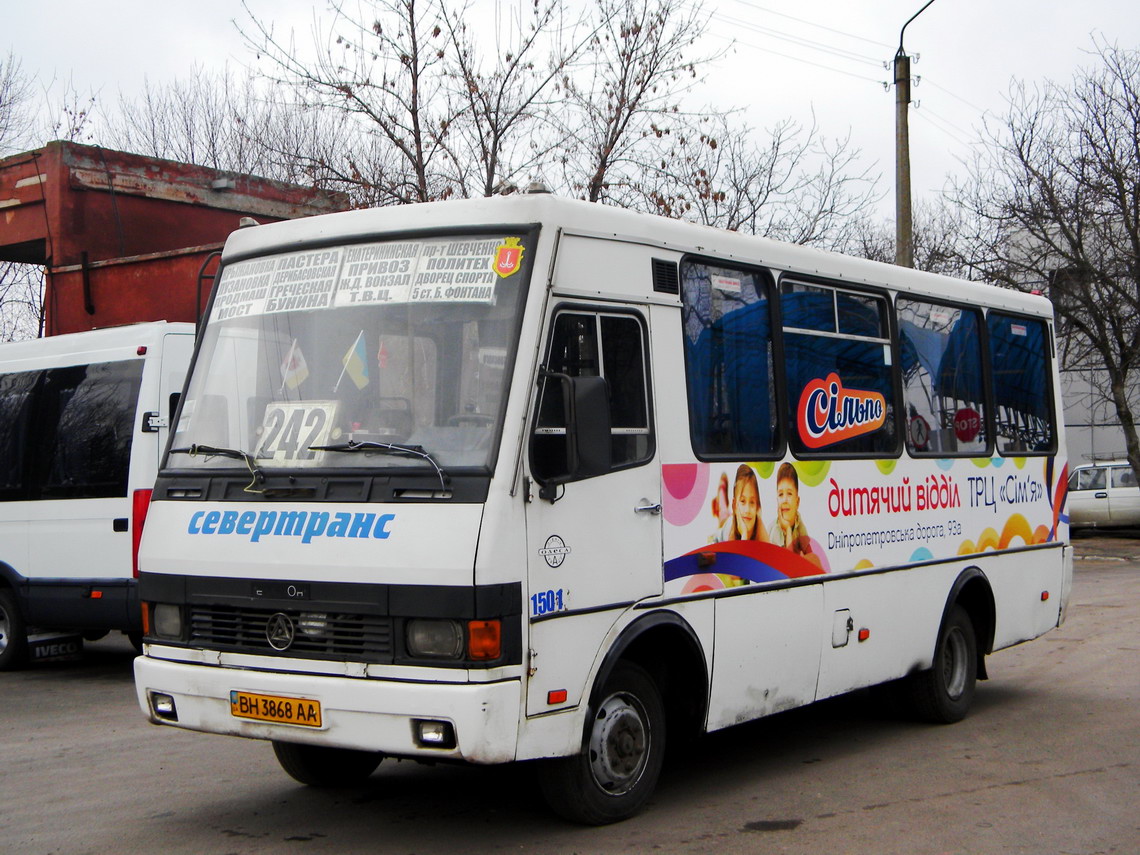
column 309, row 355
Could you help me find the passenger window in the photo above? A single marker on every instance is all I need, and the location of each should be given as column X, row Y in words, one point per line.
column 1123, row 476
column 1090, row 479
column 837, row 355
column 728, row 362
column 610, row 346
column 15, row 414
column 86, row 426
column 1019, row 357
column 940, row 350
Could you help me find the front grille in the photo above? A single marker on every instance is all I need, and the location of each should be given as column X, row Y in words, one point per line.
column 351, row 637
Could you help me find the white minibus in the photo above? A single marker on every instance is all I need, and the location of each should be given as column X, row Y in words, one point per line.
column 535, row 479
column 83, row 422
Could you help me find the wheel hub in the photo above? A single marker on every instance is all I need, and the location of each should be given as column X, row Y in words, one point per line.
column 619, row 745
column 954, row 666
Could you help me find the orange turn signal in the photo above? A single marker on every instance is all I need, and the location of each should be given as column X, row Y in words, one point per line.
column 484, row 639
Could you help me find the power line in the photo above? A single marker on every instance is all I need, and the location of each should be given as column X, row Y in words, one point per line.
column 801, row 41
column 765, row 50
column 813, row 24
column 941, row 123
column 953, row 95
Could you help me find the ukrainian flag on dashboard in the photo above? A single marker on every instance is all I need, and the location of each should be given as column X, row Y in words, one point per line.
column 356, row 363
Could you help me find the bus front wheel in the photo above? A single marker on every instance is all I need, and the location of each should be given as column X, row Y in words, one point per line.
column 320, row 766
column 943, row 693
column 617, row 770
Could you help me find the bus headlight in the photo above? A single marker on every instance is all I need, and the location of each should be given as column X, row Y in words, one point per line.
column 436, row 639
column 167, row 620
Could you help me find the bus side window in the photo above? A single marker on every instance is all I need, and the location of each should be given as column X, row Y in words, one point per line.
column 941, row 364
column 1023, row 401
column 837, row 350
column 15, row 414
column 85, row 429
column 728, row 361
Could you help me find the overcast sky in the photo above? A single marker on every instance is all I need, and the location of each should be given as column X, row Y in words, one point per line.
column 787, row 58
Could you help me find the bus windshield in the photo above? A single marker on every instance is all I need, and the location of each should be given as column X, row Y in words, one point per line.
column 368, row 348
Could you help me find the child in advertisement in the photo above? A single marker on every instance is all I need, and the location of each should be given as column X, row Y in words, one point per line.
column 789, row 530
column 744, row 521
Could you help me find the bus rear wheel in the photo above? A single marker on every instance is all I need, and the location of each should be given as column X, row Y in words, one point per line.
column 943, row 693
column 321, row 766
column 13, row 633
column 617, row 770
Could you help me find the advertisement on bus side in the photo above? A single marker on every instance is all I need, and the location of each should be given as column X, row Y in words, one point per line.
column 736, row 524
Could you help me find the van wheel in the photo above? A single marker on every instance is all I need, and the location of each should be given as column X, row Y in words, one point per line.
column 617, row 770
column 320, row 766
column 943, row 693
column 13, row 633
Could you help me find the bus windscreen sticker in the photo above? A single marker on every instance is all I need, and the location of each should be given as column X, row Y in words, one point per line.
column 439, row 270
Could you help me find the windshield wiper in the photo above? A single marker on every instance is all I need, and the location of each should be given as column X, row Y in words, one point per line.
column 417, row 451
column 256, row 475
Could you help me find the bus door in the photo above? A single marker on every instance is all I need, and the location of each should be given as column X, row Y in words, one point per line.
column 594, row 518
column 84, row 433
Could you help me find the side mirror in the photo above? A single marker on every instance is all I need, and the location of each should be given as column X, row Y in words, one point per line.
column 588, row 430
column 581, row 446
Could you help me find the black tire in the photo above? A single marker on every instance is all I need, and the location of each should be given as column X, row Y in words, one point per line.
column 943, row 694
column 13, row 633
column 622, row 752
column 320, row 766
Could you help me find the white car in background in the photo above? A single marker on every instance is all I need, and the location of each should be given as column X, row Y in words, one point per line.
column 1104, row 495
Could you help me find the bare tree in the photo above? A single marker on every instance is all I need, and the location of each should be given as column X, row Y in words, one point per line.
column 509, row 124
column 241, row 123
column 21, row 285
column 626, row 94
column 15, row 105
column 796, row 186
column 21, row 301
column 381, row 63
column 1057, row 192
column 445, row 117
column 940, row 230
column 199, row 119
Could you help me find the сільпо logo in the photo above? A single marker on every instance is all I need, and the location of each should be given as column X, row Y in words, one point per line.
column 828, row 413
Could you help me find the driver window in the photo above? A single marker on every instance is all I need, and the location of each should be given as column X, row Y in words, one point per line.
column 612, row 346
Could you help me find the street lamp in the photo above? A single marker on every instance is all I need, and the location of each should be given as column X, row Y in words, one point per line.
column 904, row 226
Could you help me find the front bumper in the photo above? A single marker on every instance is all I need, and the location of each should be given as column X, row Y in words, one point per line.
column 359, row 713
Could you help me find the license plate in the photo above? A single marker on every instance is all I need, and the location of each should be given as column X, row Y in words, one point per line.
column 275, row 708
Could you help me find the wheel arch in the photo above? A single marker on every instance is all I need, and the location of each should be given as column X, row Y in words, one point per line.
column 666, row 646
column 9, row 578
column 972, row 591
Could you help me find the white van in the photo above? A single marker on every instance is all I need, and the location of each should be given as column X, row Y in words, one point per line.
column 83, row 421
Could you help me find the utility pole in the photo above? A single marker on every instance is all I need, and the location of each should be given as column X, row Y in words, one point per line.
column 904, row 225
